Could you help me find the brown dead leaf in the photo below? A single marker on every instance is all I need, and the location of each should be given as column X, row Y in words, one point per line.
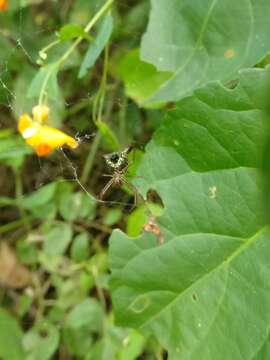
column 153, row 227
column 12, row 274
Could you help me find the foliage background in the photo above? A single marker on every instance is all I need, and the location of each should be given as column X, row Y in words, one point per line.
column 189, row 269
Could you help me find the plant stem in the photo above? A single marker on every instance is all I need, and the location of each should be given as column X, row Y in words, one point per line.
column 122, row 121
column 12, row 226
column 52, row 44
column 103, row 82
column 97, row 114
column 100, row 294
column 69, row 51
column 90, row 158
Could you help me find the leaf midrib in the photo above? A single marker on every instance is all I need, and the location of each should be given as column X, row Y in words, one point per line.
column 203, row 28
column 198, row 42
column 229, row 259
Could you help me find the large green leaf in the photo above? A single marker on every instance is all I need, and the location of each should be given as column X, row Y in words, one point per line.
column 206, row 289
column 204, row 40
column 141, row 79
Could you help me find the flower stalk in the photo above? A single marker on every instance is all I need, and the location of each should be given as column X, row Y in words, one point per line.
column 102, row 11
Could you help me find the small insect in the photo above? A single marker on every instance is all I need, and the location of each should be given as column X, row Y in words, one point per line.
column 118, row 163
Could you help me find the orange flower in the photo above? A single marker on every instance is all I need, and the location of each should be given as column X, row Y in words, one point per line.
column 3, row 5
column 42, row 138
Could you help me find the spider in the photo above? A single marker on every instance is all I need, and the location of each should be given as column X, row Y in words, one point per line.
column 118, row 162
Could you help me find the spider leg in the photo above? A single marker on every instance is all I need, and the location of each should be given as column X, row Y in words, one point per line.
column 107, row 175
column 106, row 188
column 124, row 169
column 134, row 190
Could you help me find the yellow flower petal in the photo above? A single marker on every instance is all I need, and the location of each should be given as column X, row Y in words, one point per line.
column 24, row 122
column 53, row 137
column 40, row 113
column 42, row 138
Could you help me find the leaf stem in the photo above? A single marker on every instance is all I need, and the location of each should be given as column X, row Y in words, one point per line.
column 46, row 48
column 98, row 105
column 12, row 225
column 91, row 158
column 69, row 51
column 100, row 294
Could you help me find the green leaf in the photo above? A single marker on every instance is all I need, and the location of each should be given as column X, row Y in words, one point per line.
column 138, row 218
column 88, row 206
column 10, row 338
column 132, row 346
column 141, row 79
column 40, row 197
column 80, row 247
column 102, row 350
column 58, row 240
column 23, row 305
column 41, row 342
column 45, row 212
column 66, row 296
column 266, row 173
column 112, row 217
column 46, row 75
column 211, row 274
column 88, row 313
column 27, row 252
column 136, row 221
column 71, row 31
column 76, row 205
column 69, row 205
column 83, row 320
column 203, row 41
column 96, row 47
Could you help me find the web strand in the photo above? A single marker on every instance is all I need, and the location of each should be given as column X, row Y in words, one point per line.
column 91, row 196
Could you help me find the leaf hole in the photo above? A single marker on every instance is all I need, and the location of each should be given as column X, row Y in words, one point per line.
column 194, row 297
column 153, row 197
